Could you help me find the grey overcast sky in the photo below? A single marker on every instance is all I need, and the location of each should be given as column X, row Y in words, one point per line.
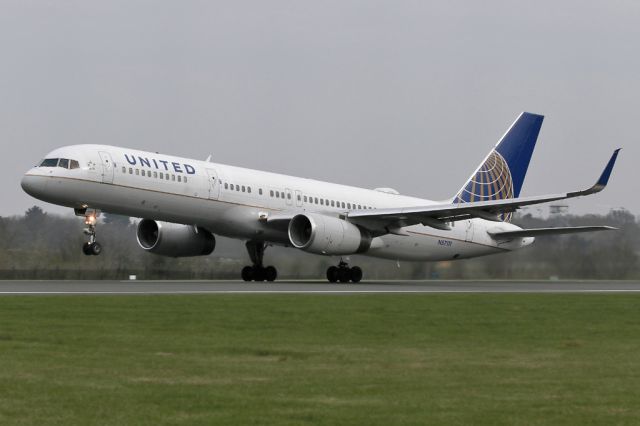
column 404, row 94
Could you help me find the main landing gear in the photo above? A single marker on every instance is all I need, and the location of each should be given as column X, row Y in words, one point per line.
column 91, row 247
column 343, row 273
column 257, row 272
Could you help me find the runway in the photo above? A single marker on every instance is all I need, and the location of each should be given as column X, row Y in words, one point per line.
column 309, row 287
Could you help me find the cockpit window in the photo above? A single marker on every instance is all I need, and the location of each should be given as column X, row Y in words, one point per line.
column 49, row 162
column 65, row 163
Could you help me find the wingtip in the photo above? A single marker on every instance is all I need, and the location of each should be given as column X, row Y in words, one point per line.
column 606, row 173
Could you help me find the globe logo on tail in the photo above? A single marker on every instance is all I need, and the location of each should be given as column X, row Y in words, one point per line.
column 492, row 181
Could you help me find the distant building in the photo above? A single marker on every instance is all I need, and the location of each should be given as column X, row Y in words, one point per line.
column 558, row 209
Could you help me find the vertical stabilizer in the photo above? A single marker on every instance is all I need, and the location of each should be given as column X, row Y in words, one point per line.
column 501, row 174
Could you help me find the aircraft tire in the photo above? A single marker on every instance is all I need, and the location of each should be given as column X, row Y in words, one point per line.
column 270, row 273
column 86, row 249
column 95, row 248
column 356, row 274
column 247, row 273
column 344, row 274
column 258, row 274
column 332, row 274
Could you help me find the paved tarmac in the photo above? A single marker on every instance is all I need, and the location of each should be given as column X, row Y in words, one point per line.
column 310, row 287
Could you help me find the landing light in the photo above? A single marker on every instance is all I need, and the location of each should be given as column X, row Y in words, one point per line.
column 90, row 220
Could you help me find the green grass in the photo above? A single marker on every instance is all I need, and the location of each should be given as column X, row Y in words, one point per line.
column 320, row 359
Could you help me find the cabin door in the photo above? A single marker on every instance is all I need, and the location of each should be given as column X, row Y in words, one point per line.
column 214, row 184
column 107, row 167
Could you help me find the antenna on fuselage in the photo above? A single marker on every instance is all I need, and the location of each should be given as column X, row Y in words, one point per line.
column 208, row 160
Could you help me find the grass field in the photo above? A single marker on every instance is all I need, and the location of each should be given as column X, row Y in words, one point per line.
column 320, row 359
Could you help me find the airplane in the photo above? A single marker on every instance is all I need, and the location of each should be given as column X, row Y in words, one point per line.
column 183, row 203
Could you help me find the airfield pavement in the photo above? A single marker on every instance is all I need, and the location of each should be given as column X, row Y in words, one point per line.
column 29, row 287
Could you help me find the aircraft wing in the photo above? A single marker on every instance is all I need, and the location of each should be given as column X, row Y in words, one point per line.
column 503, row 235
column 382, row 221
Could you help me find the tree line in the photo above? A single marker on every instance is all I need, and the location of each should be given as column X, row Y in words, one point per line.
column 38, row 245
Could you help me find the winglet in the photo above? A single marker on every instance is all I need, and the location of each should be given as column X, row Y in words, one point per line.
column 604, row 177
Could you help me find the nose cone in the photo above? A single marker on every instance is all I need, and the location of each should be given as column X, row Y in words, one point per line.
column 34, row 185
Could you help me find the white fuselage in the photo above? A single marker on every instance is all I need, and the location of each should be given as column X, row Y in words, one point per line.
column 234, row 202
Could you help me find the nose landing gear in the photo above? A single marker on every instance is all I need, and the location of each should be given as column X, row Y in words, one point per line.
column 343, row 273
column 92, row 247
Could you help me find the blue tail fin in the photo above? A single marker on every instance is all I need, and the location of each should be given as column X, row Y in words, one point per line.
column 501, row 174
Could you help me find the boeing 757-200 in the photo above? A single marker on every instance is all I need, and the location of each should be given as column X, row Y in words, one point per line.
column 183, row 203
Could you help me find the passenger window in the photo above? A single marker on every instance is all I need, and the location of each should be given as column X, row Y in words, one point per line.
column 173, row 178
column 349, row 206
column 359, row 207
column 299, row 199
column 232, row 187
column 124, row 169
column 137, row 172
column 271, row 193
column 130, row 170
column 243, row 188
column 316, row 200
column 277, row 194
column 167, row 177
column 238, row 188
column 74, row 164
column 226, row 185
column 321, row 202
column 249, row 189
column 289, row 196
column 305, row 198
column 185, row 179
column 179, row 178
column 155, row 174
column 260, row 191
column 333, row 203
column 342, row 203
column 161, row 175
column 143, row 172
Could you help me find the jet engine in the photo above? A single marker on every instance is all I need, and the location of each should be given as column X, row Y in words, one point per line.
column 328, row 235
column 174, row 240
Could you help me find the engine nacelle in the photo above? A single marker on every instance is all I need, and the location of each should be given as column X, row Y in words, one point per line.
column 328, row 235
column 174, row 240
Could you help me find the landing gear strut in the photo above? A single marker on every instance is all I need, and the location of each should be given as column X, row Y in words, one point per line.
column 257, row 272
column 92, row 247
column 343, row 273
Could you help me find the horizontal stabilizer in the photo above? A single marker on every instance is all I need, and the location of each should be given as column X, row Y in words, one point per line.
column 500, row 235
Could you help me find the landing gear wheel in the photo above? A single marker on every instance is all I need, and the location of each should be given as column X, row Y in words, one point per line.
column 258, row 274
column 344, row 275
column 332, row 274
column 92, row 249
column 270, row 273
column 96, row 248
column 356, row 274
column 247, row 273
